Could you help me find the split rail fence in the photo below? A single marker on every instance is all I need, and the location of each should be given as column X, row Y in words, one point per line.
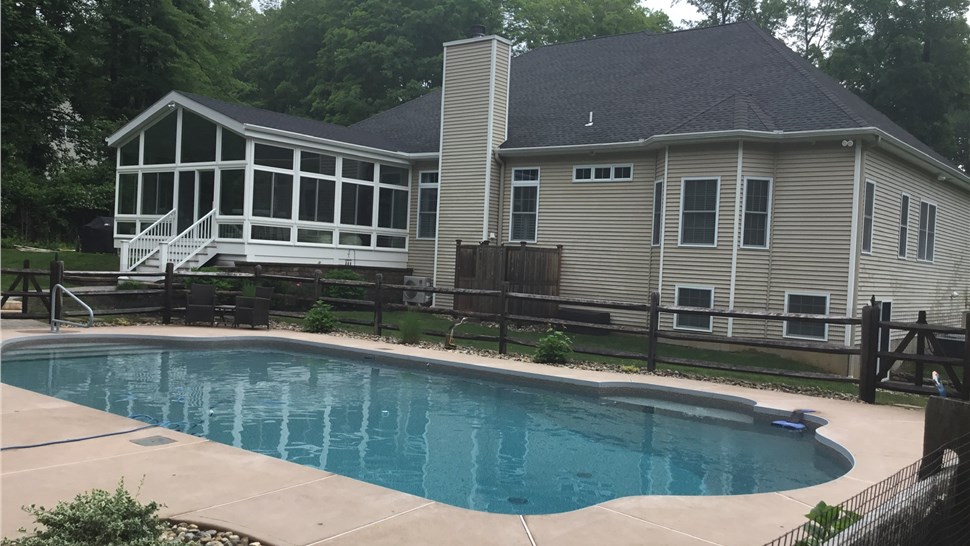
column 929, row 350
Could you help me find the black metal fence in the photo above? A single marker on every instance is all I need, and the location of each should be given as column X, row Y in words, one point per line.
column 925, row 503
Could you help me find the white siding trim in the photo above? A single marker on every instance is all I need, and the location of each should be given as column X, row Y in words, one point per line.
column 663, row 219
column 854, row 235
column 717, row 211
column 488, row 142
column 677, row 288
column 441, row 142
column 734, row 236
column 828, row 306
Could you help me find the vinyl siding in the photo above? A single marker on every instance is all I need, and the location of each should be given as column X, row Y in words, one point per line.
column 420, row 251
column 912, row 285
column 465, row 152
column 604, row 227
column 753, row 264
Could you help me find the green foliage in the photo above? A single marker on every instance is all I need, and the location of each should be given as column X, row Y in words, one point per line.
column 224, row 285
column 342, row 291
column 553, row 348
column 534, row 23
column 825, row 522
column 629, row 368
column 320, row 319
column 96, row 517
column 770, row 15
column 410, row 328
column 129, row 285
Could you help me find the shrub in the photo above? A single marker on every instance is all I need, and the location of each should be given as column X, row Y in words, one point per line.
column 410, row 329
column 96, row 517
column 129, row 285
column 553, row 348
column 320, row 319
column 342, row 291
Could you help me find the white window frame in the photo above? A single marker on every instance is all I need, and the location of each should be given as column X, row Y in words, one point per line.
column 657, row 222
column 524, row 184
column 611, row 167
column 767, row 212
column 919, row 238
column 902, row 251
column 427, row 185
column 870, row 218
column 828, row 307
column 717, row 211
column 710, row 319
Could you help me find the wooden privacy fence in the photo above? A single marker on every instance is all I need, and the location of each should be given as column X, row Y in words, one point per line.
column 930, row 350
column 526, row 269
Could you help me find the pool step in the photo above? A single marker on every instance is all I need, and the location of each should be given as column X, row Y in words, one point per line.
column 680, row 409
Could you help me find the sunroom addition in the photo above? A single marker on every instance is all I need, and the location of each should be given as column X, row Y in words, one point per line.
column 193, row 184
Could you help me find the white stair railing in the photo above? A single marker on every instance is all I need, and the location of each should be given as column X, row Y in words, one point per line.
column 189, row 243
column 144, row 245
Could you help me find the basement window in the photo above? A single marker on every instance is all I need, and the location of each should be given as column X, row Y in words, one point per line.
column 809, row 304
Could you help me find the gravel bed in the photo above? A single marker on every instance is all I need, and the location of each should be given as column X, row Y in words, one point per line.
column 180, row 532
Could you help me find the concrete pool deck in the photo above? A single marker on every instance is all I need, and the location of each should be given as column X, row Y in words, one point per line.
column 287, row 504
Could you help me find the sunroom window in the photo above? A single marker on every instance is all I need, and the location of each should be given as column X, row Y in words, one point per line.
column 392, row 209
column 233, row 146
column 157, row 192
column 316, row 199
column 274, row 156
column 231, row 191
column 160, row 141
column 128, row 193
column 198, row 138
column 356, row 205
column 272, row 195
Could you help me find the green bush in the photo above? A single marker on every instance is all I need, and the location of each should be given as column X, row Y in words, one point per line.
column 826, row 522
column 341, row 291
column 553, row 348
column 96, row 517
column 223, row 285
column 410, row 328
column 320, row 319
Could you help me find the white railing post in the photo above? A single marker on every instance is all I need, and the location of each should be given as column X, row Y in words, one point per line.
column 162, row 256
column 124, row 257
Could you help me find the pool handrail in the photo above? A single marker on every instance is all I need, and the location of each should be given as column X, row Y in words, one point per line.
column 56, row 322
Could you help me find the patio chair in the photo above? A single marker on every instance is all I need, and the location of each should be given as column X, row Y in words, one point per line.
column 201, row 304
column 254, row 310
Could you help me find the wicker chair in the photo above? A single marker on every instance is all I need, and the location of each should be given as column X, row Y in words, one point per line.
column 254, row 311
column 201, row 304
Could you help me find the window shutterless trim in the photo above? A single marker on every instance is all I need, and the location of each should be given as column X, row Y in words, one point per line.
column 717, row 211
column 828, row 306
column 611, row 167
column 520, row 184
column 767, row 212
column 710, row 319
column 902, row 239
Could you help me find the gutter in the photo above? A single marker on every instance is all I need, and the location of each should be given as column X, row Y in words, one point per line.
column 254, row 131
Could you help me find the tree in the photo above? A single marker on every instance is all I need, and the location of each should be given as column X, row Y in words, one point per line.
column 811, row 23
column 910, row 60
column 770, row 15
column 533, row 23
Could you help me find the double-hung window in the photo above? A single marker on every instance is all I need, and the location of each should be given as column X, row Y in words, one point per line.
column 525, row 205
column 867, row 217
column 428, row 205
column 807, row 304
column 903, row 225
column 757, row 203
column 927, row 231
column 698, row 211
column 658, row 207
column 693, row 296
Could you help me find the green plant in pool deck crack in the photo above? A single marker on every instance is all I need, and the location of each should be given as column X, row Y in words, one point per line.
column 553, row 348
column 96, row 517
column 826, row 522
column 320, row 319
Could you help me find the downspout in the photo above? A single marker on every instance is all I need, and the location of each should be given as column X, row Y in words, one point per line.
column 488, row 143
column 663, row 224
column 734, row 236
column 501, row 197
column 441, row 179
column 853, row 241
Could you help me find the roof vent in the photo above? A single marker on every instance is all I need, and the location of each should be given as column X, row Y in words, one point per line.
column 476, row 31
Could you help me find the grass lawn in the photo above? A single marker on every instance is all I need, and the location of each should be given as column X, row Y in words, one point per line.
column 638, row 344
column 73, row 261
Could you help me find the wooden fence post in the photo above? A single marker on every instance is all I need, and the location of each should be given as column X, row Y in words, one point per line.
column 316, row 284
column 378, row 304
column 257, row 274
column 168, row 297
column 503, row 322
column 920, row 348
column 653, row 326
column 966, row 356
column 24, row 306
column 867, row 359
column 57, row 277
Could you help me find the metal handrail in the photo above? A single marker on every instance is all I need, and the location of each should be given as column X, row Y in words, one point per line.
column 56, row 322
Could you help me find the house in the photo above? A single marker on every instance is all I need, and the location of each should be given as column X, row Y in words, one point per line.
column 713, row 165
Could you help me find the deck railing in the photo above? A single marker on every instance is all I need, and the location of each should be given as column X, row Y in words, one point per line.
column 146, row 244
column 187, row 244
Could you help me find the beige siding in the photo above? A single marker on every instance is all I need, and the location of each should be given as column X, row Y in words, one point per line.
column 465, row 149
column 604, row 227
column 420, row 251
column 758, row 161
column 910, row 284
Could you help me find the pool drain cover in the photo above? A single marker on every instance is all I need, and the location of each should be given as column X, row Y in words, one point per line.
column 153, row 441
column 518, row 500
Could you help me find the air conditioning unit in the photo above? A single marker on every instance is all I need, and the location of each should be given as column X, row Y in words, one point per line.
column 412, row 295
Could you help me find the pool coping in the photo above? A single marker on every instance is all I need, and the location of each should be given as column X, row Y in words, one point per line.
column 373, row 515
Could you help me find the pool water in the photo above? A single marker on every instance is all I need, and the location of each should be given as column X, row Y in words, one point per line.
column 489, row 446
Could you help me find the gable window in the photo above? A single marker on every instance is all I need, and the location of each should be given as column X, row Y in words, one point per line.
column 658, row 204
column 602, row 173
column 903, row 225
column 757, row 199
column 316, row 200
column 927, row 231
column 160, row 141
column 694, row 296
column 233, row 146
column 128, row 153
column 698, row 211
column 198, row 138
column 272, row 195
column 428, row 205
column 867, row 217
column 157, row 192
column 808, row 304
column 525, row 205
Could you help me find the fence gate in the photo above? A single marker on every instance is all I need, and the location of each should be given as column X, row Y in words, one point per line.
column 527, row 269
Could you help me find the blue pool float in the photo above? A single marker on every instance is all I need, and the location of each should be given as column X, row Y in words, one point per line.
column 795, row 421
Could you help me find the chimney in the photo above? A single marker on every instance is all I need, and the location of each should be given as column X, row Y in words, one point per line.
column 476, row 31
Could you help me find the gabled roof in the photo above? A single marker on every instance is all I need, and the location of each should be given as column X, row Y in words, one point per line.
column 640, row 85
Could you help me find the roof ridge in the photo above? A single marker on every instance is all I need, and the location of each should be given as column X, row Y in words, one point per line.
column 787, row 53
column 700, row 113
column 643, row 31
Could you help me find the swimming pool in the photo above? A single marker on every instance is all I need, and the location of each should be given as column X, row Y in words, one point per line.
column 485, row 445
